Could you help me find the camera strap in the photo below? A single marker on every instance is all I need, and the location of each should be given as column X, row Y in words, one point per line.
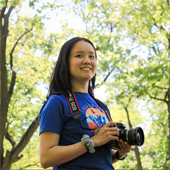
column 74, row 107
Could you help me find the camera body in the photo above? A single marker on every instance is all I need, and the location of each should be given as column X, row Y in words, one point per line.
column 134, row 136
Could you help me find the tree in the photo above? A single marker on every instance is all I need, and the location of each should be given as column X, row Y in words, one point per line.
column 133, row 39
column 151, row 73
column 21, row 53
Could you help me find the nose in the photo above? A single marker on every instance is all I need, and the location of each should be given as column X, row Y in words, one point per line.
column 86, row 60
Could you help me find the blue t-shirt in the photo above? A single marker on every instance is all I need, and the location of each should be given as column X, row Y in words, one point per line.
column 56, row 117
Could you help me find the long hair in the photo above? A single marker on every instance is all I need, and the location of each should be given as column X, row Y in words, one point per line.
column 60, row 81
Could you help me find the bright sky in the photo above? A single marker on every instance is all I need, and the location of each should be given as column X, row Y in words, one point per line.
column 57, row 18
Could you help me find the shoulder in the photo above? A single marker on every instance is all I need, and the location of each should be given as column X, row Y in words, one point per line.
column 52, row 103
column 55, row 99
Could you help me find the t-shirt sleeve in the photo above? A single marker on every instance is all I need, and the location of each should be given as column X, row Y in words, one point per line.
column 51, row 116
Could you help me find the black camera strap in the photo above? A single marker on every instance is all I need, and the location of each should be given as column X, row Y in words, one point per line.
column 73, row 105
column 75, row 110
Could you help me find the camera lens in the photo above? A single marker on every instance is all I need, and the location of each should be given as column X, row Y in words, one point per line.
column 135, row 136
column 138, row 137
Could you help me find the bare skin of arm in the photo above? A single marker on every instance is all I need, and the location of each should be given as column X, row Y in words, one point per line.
column 51, row 154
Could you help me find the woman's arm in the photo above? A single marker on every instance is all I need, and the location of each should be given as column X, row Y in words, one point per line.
column 51, row 154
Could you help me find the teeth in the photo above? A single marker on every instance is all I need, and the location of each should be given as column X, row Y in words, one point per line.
column 85, row 68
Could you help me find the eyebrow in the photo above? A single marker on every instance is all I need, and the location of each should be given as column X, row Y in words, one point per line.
column 83, row 52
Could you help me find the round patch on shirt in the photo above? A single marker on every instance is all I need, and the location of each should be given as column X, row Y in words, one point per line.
column 95, row 118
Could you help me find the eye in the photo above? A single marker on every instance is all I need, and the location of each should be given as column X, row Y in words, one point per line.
column 79, row 56
column 92, row 56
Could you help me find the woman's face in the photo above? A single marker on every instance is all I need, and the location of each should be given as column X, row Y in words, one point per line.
column 82, row 62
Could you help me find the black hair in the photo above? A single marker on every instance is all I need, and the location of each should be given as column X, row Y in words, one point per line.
column 60, row 82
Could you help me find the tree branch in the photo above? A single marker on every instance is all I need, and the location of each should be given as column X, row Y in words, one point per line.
column 15, row 154
column 18, row 157
column 127, row 113
column 36, row 163
column 160, row 27
column 107, row 76
column 163, row 131
column 25, row 139
column 13, row 78
column 164, row 100
column 11, row 53
column 9, row 137
column 156, row 98
column 162, row 88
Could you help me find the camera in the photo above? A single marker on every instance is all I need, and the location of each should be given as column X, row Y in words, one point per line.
column 134, row 136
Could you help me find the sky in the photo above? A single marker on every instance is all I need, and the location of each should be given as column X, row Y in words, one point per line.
column 57, row 17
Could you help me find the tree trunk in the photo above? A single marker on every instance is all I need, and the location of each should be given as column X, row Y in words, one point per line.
column 15, row 154
column 169, row 97
column 137, row 154
column 138, row 158
column 168, row 103
column 4, row 89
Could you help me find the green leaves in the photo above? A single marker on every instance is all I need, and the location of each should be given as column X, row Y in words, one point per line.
column 32, row 53
column 132, row 40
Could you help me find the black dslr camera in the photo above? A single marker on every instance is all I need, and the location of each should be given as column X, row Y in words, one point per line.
column 133, row 136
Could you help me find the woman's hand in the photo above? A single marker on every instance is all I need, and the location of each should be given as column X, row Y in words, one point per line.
column 124, row 148
column 105, row 133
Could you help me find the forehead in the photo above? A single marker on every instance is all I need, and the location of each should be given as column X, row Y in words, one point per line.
column 82, row 46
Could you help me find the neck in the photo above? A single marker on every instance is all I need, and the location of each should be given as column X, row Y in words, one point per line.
column 77, row 87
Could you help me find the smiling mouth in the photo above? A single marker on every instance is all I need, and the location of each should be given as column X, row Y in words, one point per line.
column 85, row 68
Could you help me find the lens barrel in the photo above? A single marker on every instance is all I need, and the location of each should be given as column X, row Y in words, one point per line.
column 135, row 136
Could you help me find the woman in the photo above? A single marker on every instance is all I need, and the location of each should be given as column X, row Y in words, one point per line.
column 69, row 142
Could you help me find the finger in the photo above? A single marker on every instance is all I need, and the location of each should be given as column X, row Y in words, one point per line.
column 121, row 145
column 113, row 132
column 110, row 138
column 110, row 123
column 124, row 146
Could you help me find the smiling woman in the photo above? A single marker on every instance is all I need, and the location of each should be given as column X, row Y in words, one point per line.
column 68, row 142
column 82, row 66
